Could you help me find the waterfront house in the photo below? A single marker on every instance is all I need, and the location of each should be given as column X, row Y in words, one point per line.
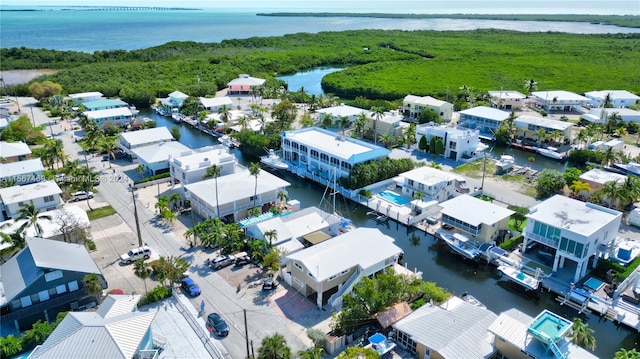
column 342, row 110
column 527, row 127
column 559, row 100
column 213, row 104
column 172, row 103
column 459, row 143
column 483, row 220
column 117, row 330
column 601, row 115
column 104, row 104
column 128, row 141
column 330, row 269
column 235, row 194
column 44, row 196
column 155, row 158
column 508, row 100
column 576, row 231
column 192, row 165
column 518, row 336
column 244, row 84
column 22, row 172
column 391, row 122
column 297, row 230
column 433, row 183
column 619, row 98
column 40, row 281
column 412, row 107
column 120, row 115
column 325, row 156
column 597, row 178
column 452, row 330
column 484, row 119
column 83, row 97
column 14, row 151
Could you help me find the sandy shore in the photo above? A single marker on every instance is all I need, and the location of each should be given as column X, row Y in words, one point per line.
column 15, row 77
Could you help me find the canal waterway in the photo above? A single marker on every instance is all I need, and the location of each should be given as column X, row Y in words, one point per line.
column 309, row 80
column 436, row 262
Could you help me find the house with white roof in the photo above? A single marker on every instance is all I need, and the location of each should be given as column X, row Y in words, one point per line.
column 297, row 230
column 244, row 84
column 433, row 183
column 391, row 122
column 600, row 115
column 619, row 98
column 104, row 104
column 559, row 100
column 44, row 196
column 576, row 230
column 40, row 281
column 83, row 97
column 323, row 155
column 528, row 126
column 66, row 224
column 452, row 330
column 507, row 99
column 342, row 110
column 482, row 118
column 412, row 107
column 213, row 104
column 14, row 151
column 459, row 142
column 235, row 194
column 22, row 172
column 514, row 339
column 172, row 103
column 130, row 140
column 120, row 115
column 116, row 330
column 337, row 264
column 483, row 220
column 191, row 166
column 597, row 178
column 155, row 158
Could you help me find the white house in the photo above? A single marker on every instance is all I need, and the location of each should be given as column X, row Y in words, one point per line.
column 482, row 118
column 342, row 110
column 14, row 151
column 191, row 166
column 215, row 103
column 559, row 100
column 22, row 172
column 86, row 96
column 576, row 230
column 508, row 100
column 172, row 103
column 433, row 183
column 391, row 122
column 600, row 115
column 128, row 141
column 66, row 224
column 413, row 106
column 459, row 143
column 528, row 125
column 235, row 194
column 597, row 178
column 619, row 98
column 155, row 158
column 244, row 84
column 483, row 220
column 323, row 156
column 339, row 262
column 45, row 196
column 120, row 115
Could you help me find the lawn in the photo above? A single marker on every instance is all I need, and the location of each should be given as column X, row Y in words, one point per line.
column 101, row 212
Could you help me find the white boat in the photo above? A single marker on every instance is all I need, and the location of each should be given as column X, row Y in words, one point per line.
column 629, row 168
column 227, row 141
column 176, row 117
column 472, row 300
column 505, row 163
column 273, row 160
column 518, row 276
column 461, row 244
column 551, row 152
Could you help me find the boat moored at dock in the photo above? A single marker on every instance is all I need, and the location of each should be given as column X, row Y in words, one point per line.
column 520, row 277
column 461, row 244
column 273, row 160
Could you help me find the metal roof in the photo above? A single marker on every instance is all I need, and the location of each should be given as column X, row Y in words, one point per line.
column 115, row 305
column 542, row 122
column 474, row 211
column 614, row 94
column 343, row 110
column 426, row 101
column 559, row 95
column 159, row 152
column 216, row 101
column 12, row 149
column 246, row 80
column 486, row 112
column 109, row 112
column 104, row 103
column 149, row 135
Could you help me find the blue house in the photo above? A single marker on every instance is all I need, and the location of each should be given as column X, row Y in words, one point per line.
column 104, row 104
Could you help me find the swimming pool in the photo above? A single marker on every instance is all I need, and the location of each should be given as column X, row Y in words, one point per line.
column 549, row 326
column 393, row 198
column 593, row 284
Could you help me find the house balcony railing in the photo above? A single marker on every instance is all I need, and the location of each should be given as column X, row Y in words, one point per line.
column 553, row 243
column 336, row 299
column 65, row 298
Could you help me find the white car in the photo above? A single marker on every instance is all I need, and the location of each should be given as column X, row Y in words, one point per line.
column 133, row 255
column 80, row 195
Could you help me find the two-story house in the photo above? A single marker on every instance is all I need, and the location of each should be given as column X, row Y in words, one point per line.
column 83, row 97
column 22, row 172
column 507, row 100
column 155, row 158
column 619, row 98
column 433, row 183
column 484, row 119
column 171, row 104
column 244, row 84
column 14, row 151
column 128, row 141
column 44, row 195
column 412, row 106
column 576, row 230
column 558, row 131
column 459, row 143
column 191, row 166
column 559, row 100
column 483, row 220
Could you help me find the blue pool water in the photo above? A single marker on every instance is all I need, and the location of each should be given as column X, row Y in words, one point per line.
column 393, row 198
column 550, row 325
column 593, row 284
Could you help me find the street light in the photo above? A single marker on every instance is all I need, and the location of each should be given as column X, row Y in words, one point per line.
column 135, row 213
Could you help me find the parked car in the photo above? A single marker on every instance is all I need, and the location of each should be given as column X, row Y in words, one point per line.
column 222, row 261
column 133, row 255
column 80, row 195
column 447, row 226
column 242, row 258
column 270, row 283
column 217, row 325
column 190, row 287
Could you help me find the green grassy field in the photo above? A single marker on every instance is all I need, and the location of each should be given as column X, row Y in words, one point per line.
column 101, row 212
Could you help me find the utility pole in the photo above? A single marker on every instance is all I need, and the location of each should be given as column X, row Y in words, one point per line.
column 135, row 214
column 484, row 169
column 246, row 332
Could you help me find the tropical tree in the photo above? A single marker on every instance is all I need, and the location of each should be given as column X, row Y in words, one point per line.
column 327, row 120
column 360, row 122
column 541, row 134
column 91, row 285
column 579, row 186
column 16, row 240
column 270, row 236
column 627, row 354
column 10, row 346
column 175, row 133
column 214, row 172
column 549, row 182
column 631, row 190
column 519, row 215
column 582, row 335
column 530, row 85
column 609, row 156
column 225, row 113
column 32, row 215
column 377, row 113
column 387, row 139
column 254, row 170
column 419, row 196
column 283, row 197
column 306, row 120
column 359, row 353
column 142, row 270
column 175, row 199
column 608, row 101
column 613, row 192
column 571, row 175
column 315, row 353
column 108, row 144
column 274, row 347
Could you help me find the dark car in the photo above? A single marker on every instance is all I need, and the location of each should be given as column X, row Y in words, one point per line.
column 270, row 283
column 217, row 325
column 447, row 226
column 190, row 287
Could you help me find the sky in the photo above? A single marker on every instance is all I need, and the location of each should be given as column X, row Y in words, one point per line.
column 602, row 7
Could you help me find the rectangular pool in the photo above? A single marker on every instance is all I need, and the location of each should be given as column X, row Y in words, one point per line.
column 393, row 198
column 593, row 284
column 549, row 326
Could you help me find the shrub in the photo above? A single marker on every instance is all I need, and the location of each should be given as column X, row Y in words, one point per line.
column 512, row 243
column 153, row 178
column 318, row 338
column 156, row 294
column 91, row 245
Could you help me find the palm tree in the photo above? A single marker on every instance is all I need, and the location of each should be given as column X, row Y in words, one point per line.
column 614, row 192
column 274, row 347
column 541, row 133
column 627, row 354
column 419, row 196
column 327, row 120
column 387, row 139
column 29, row 213
column 360, row 122
column 108, row 144
column 579, row 186
column 175, row 198
column 582, row 335
column 214, row 171
column 54, row 149
column 530, row 85
column 343, row 123
column 609, row 156
column 608, row 101
column 225, row 114
column 582, row 137
column 315, row 353
column 142, row 270
column 377, row 112
column 16, row 239
column 631, row 190
column 254, row 170
column 270, row 236
column 282, row 197
column 243, row 122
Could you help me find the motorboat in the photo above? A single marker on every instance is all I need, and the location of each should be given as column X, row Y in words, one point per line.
column 518, row 276
column 632, row 168
column 461, row 244
column 274, row 161
column 551, row 152
column 227, row 141
column 472, row 300
column 505, row 163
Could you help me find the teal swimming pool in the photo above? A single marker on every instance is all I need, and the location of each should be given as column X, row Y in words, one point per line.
column 593, row 284
column 549, row 326
column 393, row 198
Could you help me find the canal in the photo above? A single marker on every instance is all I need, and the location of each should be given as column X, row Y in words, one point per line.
column 435, row 261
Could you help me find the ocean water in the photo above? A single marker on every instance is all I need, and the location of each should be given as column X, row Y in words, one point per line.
column 90, row 31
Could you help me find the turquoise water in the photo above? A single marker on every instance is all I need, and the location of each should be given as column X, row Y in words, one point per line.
column 593, row 284
column 393, row 198
column 551, row 325
column 310, row 80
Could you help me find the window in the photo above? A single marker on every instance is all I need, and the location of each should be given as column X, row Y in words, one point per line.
column 310, row 275
column 333, row 277
column 61, row 289
column 43, row 295
column 298, row 266
column 73, row 286
column 52, row 275
column 298, row 282
column 344, row 272
column 48, row 199
column 25, row 301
